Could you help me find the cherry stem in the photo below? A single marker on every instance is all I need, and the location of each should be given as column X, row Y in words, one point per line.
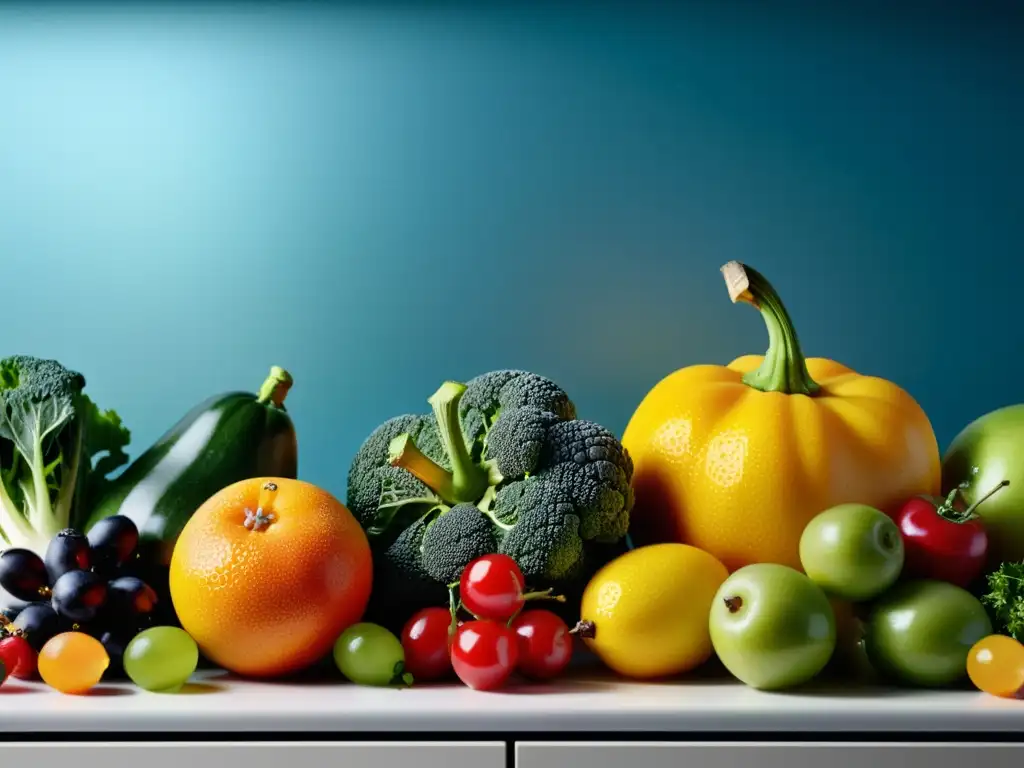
column 585, row 629
column 544, row 595
column 453, row 609
column 948, row 512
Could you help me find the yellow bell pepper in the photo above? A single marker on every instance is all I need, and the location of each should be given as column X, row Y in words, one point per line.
column 737, row 459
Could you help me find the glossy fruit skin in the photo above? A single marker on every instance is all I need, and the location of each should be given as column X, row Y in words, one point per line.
column 79, row 595
column 492, row 587
column 67, row 551
column 23, row 574
column 161, row 659
column 921, row 632
column 73, row 662
column 38, row 622
column 852, row 551
column 650, row 607
column 369, row 654
column 426, row 641
column 18, row 657
column 772, row 627
column 545, row 644
column 113, row 541
column 991, row 443
column 937, row 548
column 739, row 472
column 272, row 599
column 995, row 665
column 224, row 439
column 484, row 654
column 130, row 596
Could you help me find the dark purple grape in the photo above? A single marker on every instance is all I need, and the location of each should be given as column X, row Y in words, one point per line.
column 79, row 595
column 67, row 551
column 113, row 540
column 23, row 574
column 38, row 622
column 130, row 596
column 114, row 642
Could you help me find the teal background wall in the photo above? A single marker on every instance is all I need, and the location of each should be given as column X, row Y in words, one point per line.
column 382, row 197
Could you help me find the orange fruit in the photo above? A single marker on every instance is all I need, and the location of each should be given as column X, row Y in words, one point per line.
column 268, row 573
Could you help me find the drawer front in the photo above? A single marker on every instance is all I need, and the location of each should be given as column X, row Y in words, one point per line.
column 769, row 755
column 158, row 754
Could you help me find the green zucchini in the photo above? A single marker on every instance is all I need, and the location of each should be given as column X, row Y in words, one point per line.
column 224, row 439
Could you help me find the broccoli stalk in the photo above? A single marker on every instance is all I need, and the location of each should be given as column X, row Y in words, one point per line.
column 467, row 481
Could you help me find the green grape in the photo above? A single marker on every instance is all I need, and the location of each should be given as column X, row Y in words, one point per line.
column 161, row 659
column 368, row 654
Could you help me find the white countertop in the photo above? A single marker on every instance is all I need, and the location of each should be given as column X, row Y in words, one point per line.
column 218, row 703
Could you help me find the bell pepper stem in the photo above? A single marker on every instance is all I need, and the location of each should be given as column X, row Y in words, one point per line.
column 784, row 368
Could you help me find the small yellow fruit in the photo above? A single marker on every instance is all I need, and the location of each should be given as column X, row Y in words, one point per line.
column 648, row 610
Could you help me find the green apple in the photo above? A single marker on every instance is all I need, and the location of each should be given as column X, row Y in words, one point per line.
column 852, row 551
column 772, row 627
column 921, row 632
column 985, row 453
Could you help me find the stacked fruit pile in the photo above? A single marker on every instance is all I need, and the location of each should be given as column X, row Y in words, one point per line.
column 784, row 515
column 89, row 614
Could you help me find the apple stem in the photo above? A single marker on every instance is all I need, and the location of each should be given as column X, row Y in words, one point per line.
column 585, row 629
column 734, row 603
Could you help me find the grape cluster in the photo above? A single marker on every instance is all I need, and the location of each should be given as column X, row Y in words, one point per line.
column 103, row 584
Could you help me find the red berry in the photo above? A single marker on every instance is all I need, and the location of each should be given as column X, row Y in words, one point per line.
column 18, row 657
column 426, row 642
column 545, row 644
column 484, row 654
column 492, row 587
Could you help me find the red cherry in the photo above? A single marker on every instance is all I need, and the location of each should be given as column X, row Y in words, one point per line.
column 18, row 657
column 942, row 542
column 492, row 587
column 426, row 640
column 545, row 644
column 484, row 654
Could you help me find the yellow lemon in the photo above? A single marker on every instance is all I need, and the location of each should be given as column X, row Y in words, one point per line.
column 645, row 614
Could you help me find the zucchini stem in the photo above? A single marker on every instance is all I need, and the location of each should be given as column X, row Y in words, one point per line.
column 275, row 388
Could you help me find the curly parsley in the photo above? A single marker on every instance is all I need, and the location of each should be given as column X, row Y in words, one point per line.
column 1005, row 598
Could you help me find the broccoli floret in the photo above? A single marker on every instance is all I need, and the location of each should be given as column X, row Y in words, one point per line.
column 455, row 538
column 541, row 528
column 518, row 439
column 377, row 491
column 50, row 432
column 591, row 464
column 490, row 394
column 516, row 472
